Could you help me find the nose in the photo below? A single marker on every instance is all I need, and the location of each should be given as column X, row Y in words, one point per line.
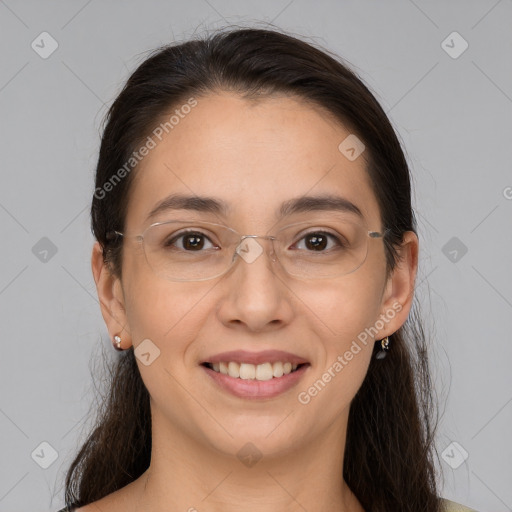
column 255, row 296
column 249, row 249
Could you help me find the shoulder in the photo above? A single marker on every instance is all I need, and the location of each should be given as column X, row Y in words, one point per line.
column 73, row 509
column 451, row 506
column 447, row 506
column 117, row 501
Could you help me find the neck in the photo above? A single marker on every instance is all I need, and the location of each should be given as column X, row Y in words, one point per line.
column 190, row 476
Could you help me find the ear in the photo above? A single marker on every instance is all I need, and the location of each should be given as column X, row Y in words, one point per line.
column 399, row 290
column 111, row 297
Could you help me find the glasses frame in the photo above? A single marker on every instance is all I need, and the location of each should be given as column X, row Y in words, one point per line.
column 140, row 238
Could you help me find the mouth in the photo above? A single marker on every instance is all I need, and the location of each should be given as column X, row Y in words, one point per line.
column 255, row 382
column 260, row 372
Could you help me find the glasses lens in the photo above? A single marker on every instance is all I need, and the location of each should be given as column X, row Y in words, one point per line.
column 331, row 247
column 188, row 250
column 194, row 251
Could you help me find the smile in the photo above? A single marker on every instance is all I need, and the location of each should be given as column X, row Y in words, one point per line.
column 249, row 381
column 248, row 371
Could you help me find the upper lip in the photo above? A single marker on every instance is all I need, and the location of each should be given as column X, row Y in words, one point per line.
column 266, row 356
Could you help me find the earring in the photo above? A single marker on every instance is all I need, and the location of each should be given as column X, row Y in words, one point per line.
column 117, row 342
column 384, row 347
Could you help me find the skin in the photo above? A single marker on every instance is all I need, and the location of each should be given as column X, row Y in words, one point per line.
column 253, row 155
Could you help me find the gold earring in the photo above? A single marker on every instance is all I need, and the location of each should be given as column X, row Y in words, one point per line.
column 384, row 347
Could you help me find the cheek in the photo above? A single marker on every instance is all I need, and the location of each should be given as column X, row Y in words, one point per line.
column 166, row 312
column 342, row 308
column 344, row 311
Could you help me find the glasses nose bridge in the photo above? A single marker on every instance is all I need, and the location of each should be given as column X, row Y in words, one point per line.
column 240, row 249
column 266, row 237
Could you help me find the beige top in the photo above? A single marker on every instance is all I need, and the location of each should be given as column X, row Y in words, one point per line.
column 451, row 506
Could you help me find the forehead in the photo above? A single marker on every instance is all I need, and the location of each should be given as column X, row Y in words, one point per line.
column 252, row 155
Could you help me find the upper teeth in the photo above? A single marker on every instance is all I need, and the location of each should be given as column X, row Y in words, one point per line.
column 265, row 371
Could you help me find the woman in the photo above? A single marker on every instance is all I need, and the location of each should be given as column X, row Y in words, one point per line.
column 255, row 262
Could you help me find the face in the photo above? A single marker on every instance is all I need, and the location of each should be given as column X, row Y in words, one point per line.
column 254, row 156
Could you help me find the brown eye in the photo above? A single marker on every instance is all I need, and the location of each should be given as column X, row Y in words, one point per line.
column 192, row 241
column 319, row 241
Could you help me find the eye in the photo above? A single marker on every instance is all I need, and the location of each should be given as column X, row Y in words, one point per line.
column 193, row 241
column 319, row 241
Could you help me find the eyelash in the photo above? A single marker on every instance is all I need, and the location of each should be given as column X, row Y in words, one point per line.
column 332, row 236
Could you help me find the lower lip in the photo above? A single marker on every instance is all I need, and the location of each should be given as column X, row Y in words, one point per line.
column 256, row 389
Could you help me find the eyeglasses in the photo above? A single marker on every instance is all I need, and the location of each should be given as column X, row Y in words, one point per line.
column 191, row 250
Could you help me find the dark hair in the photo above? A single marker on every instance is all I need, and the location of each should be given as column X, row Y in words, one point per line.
column 388, row 461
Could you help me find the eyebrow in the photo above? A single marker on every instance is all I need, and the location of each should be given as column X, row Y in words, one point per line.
column 216, row 206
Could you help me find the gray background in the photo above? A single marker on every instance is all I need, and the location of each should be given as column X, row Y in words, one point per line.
column 452, row 114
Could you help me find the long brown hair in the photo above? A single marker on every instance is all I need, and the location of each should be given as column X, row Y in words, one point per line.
column 389, row 454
